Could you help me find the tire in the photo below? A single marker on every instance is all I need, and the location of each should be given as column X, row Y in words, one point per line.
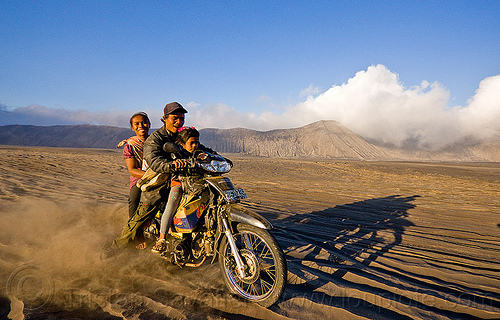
column 265, row 263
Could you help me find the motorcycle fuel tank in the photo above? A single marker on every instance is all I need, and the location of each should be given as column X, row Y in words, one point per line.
column 189, row 212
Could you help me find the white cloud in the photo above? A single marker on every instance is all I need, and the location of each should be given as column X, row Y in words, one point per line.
column 481, row 118
column 376, row 105
column 310, row 91
column 41, row 115
column 220, row 116
column 264, row 98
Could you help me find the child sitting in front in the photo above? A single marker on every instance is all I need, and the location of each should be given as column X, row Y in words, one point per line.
column 188, row 139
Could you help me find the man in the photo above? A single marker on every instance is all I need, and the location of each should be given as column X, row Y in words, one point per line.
column 161, row 162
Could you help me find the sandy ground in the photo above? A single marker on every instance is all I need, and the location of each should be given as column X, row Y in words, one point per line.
column 363, row 240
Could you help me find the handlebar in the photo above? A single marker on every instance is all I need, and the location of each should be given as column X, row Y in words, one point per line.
column 191, row 163
column 213, row 163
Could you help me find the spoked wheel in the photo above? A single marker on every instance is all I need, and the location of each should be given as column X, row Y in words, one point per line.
column 265, row 266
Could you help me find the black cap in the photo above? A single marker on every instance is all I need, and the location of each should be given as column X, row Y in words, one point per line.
column 173, row 107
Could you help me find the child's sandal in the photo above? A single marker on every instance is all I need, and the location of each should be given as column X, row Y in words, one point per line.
column 160, row 246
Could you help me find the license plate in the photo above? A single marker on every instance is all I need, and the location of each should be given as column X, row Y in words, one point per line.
column 235, row 195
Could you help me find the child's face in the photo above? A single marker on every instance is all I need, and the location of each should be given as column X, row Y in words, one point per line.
column 191, row 144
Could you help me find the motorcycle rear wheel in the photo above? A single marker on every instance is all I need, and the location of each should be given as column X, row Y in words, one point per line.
column 265, row 265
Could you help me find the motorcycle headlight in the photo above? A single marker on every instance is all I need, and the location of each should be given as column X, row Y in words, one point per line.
column 217, row 166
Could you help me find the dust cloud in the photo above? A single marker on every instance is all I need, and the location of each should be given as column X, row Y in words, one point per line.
column 58, row 259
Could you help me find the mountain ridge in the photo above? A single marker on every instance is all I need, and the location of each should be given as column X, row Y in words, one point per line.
column 324, row 139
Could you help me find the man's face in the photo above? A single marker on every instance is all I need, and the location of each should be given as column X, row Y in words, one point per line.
column 174, row 121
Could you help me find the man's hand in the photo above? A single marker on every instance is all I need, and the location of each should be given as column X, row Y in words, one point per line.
column 179, row 164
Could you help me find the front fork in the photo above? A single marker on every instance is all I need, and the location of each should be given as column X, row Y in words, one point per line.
column 234, row 249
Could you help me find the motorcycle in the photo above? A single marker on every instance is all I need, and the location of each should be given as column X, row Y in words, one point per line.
column 209, row 222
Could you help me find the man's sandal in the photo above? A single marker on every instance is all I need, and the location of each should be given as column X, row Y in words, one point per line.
column 141, row 246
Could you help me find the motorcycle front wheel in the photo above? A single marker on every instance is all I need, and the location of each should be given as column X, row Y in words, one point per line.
column 264, row 261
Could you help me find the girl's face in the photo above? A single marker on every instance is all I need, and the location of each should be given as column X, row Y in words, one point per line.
column 140, row 125
column 191, row 144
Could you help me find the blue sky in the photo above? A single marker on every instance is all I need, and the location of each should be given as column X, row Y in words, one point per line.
column 236, row 63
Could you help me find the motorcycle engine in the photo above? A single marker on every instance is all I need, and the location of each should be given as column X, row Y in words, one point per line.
column 197, row 245
column 180, row 250
column 202, row 244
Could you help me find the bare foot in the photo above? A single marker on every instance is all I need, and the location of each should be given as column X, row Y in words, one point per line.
column 141, row 246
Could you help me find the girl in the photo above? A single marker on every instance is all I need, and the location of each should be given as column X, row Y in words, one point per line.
column 188, row 139
column 133, row 152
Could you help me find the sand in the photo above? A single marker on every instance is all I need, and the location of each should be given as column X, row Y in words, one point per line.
column 363, row 240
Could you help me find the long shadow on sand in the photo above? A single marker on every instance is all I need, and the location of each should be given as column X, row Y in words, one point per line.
column 322, row 247
column 330, row 257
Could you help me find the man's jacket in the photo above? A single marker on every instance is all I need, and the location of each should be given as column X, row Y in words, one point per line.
column 158, row 160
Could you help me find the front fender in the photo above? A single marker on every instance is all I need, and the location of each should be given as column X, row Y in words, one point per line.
column 239, row 214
